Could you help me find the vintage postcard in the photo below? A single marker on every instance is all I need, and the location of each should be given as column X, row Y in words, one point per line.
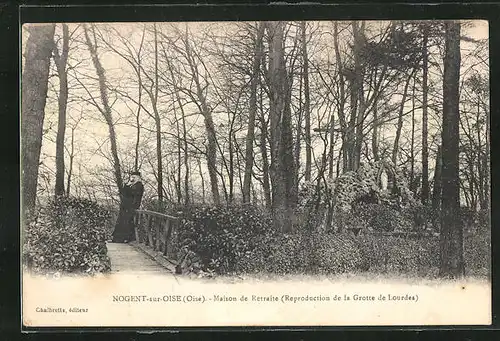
column 274, row 173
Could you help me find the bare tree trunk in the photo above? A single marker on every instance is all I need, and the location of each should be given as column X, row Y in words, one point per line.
column 350, row 136
column 307, row 102
column 480, row 161
column 249, row 157
column 187, row 197
column 71, row 158
column 395, row 149
column 283, row 164
column 331, row 146
column 138, row 134
column 473, row 186
column 341, row 102
column 375, row 134
column 239, row 169
column 412, row 142
column 356, row 82
column 451, row 237
column 220, row 173
column 425, row 90
column 298, row 133
column 134, row 59
column 358, row 91
column 437, row 189
column 34, row 94
column 487, row 179
column 154, row 100
column 209, row 125
column 202, row 181
column 61, row 62
column 179, row 156
column 265, row 160
column 106, row 109
column 231, row 163
column 139, row 105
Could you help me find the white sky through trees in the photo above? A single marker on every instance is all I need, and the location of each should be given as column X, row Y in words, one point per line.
column 210, row 40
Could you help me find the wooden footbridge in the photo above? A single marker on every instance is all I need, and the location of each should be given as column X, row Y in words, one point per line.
column 152, row 251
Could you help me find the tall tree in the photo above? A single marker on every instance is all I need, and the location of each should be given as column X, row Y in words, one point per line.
column 282, row 161
column 451, row 237
column 437, row 187
column 249, row 156
column 201, row 101
column 395, row 148
column 354, row 78
column 34, row 94
column 153, row 96
column 61, row 60
column 375, row 134
column 341, row 100
column 487, row 182
column 307, row 101
column 105, row 109
column 359, row 105
column 134, row 58
column 264, row 137
column 175, row 86
column 71, row 151
column 413, row 186
column 425, row 91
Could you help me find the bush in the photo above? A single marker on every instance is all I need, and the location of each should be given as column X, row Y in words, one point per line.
column 477, row 253
column 347, row 220
column 298, row 253
column 379, row 217
column 242, row 239
column 277, row 253
column 393, row 254
column 338, row 253
column 67, row 235
column 221, row 236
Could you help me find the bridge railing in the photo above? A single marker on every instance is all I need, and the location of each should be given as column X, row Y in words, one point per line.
column 156, row 230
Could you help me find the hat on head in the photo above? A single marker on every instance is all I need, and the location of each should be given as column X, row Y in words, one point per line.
column 136, row 173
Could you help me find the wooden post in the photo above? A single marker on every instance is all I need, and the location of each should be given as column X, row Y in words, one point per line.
column 158, row 236
column 167, row 235
column 150, row 232
column 137, row 226
column 158, row 228
column 171, row 228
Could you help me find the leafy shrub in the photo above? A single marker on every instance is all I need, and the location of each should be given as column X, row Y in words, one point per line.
column 400, row 254
column 484, row 219
column 221, row 236
column 294, row 253
column 67, row 235
column 277, row 253
column 421, row 216
column 379, row 217
column 346, row 220
column 242, row 239
column 477, row 253
column 338, row 253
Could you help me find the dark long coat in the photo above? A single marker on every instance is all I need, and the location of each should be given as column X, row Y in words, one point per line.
column 131, row 201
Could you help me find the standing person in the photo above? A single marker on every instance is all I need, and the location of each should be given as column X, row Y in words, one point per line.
column 131, row 200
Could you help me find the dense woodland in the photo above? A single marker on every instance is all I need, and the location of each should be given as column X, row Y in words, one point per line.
column 268, row 114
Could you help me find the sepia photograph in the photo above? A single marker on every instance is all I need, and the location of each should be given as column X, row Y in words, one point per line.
column 265, row 173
